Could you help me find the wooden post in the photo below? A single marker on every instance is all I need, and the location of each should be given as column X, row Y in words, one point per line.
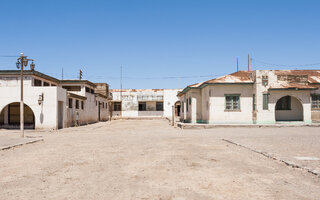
column 237, row 64
column 172, row 122
column 21, row 97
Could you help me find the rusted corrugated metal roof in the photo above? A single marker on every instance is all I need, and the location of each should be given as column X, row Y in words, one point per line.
column 136, row 90
column 236, row 77
column 292, row 86
column 313, row 75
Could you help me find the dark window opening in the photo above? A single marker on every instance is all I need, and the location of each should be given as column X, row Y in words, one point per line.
column 82, row 105
column 46, row 84
column 72, row 88
column 142, row 106
column 77, row 104
column 159, row 106
column 70, row 103
column 37, row 82
column 117, row 106
column 284, row 103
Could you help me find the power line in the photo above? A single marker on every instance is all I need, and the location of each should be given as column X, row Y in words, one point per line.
column 284, row 65
column 9, row 56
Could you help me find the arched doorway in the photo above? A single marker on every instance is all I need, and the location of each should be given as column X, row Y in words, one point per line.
column 289, row 108
column 10, row 116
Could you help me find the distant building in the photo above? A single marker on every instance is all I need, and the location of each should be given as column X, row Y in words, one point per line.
column 50, row 103
column 133, row 103
column 261, row 96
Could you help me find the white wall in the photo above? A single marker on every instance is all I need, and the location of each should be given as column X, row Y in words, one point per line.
column 217, row 112
column 130, row 103
column 46, row 113
column 170, row 98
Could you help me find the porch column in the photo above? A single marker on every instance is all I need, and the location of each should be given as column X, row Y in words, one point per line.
column 194, row 110
column 6, row 115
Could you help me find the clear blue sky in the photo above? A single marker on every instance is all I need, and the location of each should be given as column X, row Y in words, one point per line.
column 158, row 38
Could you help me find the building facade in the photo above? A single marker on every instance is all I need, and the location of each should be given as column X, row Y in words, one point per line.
column 135, row 103
column 49, row 103
column 261, row 96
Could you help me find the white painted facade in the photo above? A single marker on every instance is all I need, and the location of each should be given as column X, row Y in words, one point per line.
column 130, row 98
column 207, row 100
column 54, row 111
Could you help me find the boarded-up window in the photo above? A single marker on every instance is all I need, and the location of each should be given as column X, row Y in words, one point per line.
column 315, row 101
column 159, row 106
column 142, row 106
column 232, row 102
column 265, row 101
column 284, row 103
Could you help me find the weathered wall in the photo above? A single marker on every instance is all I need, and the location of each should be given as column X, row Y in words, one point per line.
column 217, row 112
column 130, row 102
column 268, row 116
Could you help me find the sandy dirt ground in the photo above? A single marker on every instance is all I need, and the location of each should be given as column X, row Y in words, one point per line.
column 152, row 160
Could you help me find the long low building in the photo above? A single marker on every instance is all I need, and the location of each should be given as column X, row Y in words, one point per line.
column 50, row 103
column 137, row 103
column 261, row 96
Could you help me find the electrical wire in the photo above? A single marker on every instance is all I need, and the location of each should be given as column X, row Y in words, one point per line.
column 283, row 65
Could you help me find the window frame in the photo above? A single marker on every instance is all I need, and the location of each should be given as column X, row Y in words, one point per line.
column 142, row 106
column 70, row 102
column 158, row 106
column 77, row 104
column 117, row 105
column 265, row 101
column 317, row 96
column 232, row 102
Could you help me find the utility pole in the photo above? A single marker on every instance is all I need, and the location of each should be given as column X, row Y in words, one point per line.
column 237, row 64
column 22, row 61
column 248, row 62
column 62, row 73
column 121, row 90
column 80, row 74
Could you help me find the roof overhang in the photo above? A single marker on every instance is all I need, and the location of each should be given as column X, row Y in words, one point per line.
column 29, row 72
column 77, row 96
column 77, row 82
column 273, row 89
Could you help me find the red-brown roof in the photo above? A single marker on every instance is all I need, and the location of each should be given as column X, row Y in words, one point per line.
column 292, row 86
column 313, row 75
column 236, row 77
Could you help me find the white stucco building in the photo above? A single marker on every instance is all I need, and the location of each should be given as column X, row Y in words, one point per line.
column 261, row 96
column 132, row 103
column 50, row 103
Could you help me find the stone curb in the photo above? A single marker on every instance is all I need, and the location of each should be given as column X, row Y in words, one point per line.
column 210, row 126
column 288, row 163
column 19, row 144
